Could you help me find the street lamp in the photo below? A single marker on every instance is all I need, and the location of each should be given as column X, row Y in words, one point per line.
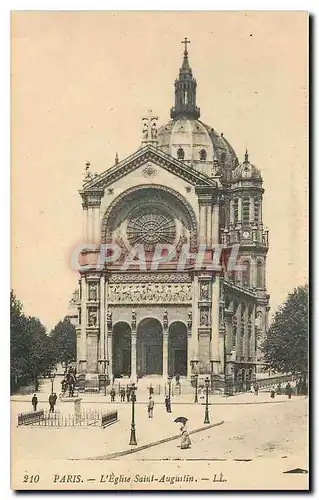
column 206, row 421
column 52, row 377
column 133, row 398
column 196, row 387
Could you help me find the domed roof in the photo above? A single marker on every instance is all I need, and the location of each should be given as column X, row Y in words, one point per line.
column 246, row 171
column 197, row 141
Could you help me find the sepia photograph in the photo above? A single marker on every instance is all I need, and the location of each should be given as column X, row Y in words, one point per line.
column 159, row 305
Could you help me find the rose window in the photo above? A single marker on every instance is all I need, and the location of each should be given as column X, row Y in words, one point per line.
column 150, row 228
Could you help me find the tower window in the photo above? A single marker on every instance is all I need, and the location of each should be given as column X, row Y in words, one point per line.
column 245, row 209
column 246, row 274
column 236, row 210
column 260, row 274
column 202, row 154
column 256, row 209
column 180, row 154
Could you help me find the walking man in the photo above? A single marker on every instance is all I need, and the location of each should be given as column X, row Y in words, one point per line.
column 122, row 393
column 150, row 407
column 34, row 402
column 112, row 393
column 288, row 390
column 52, row 401
column 128, row 394
column 168, row 404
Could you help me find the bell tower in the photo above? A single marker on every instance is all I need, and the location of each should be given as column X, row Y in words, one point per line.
column 185, row 91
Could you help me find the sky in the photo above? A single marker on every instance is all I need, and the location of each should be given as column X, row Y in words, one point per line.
column 81, row 82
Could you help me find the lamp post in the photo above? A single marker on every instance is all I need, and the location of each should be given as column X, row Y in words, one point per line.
column 133, row 398
column 196, row 387
column 52, row 377
column 169, row 379
column 206, row 421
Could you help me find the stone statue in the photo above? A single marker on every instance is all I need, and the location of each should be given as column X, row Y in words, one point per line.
column 145, row 131
column 133, row 322
column 204, row 318
column 190, row 320
column 154, row 131
column 204, row 291
column 92, row 318
column 109, row 319
column 165, row 319
column 93, row 292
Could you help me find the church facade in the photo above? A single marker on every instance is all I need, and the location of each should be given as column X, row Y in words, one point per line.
column 183, row 190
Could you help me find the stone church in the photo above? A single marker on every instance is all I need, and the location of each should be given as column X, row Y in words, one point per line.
column 184, row 185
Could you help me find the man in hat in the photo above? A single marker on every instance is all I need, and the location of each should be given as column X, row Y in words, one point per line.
column 34, row 402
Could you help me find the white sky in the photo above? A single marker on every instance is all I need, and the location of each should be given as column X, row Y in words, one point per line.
column 81, row 81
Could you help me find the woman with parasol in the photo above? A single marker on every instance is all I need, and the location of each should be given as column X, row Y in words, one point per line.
column 186, row 442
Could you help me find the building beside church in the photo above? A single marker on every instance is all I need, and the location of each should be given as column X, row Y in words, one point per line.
column 183, row 187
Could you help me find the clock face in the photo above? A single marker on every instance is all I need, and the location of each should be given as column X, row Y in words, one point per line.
column 246, row 234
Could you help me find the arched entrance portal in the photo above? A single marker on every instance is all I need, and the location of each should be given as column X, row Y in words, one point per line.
column 149, row 347
column 121, row 349
column 177, row 349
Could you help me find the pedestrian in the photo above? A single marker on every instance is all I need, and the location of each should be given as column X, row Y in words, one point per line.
column 51, row 403
column 279, row 389
column 272, row 393
column 128, row 394
column 122, row 394
column 186, row 442
column 151, row 390
column 168, row 404
column 112, row 393
column 256, row 389
column 34, row 402
column 150, row 407
column 288, row 390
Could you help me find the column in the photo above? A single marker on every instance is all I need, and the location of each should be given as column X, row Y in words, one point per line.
column 193, row 344
column 165, row 354
column 215, row 223
column 133, row 356
column 215, row 323
column 102, row 352
column 209, row 226
column 238, row 333
column 253, row 334
column 96, row 225
column 85, row 224
column 83, row 349
column 202, row 224
column 109, row 353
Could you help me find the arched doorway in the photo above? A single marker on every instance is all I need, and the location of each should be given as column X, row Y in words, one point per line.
column 149, row 347
column 177, row 349
column 121, row 349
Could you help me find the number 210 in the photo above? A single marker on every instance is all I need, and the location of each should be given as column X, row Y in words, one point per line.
column 31, row 479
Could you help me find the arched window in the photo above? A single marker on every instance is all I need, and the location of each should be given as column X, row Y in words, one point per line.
column 202, row 155
column 246, row 274
column 180, row 154
column 260, row 274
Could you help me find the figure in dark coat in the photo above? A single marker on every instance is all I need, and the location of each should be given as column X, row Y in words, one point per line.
column 34, row 402
column 168, row 404
column 128, row 394
column 52, row 401
column 122, row 392
column 288, row 390
column 112, row 393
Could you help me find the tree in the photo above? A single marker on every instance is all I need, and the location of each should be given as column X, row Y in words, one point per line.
column 285, row 347
column 63, row 338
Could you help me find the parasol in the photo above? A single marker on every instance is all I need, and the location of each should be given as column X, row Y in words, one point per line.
column 182, row 420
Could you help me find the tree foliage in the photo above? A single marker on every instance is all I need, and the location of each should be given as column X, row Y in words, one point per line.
column 30, row 347
column 285, row 347
column 63, row 338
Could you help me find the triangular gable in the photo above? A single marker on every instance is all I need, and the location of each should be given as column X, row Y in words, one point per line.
column 144, row 155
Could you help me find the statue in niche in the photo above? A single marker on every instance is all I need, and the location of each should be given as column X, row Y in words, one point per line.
column 93, row 318
column 204, row 317
column 189, row 320
column 93, row 291
column 204, row 291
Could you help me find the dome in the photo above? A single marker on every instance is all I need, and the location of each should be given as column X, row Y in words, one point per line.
column 246, row 171
column 192, row 141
